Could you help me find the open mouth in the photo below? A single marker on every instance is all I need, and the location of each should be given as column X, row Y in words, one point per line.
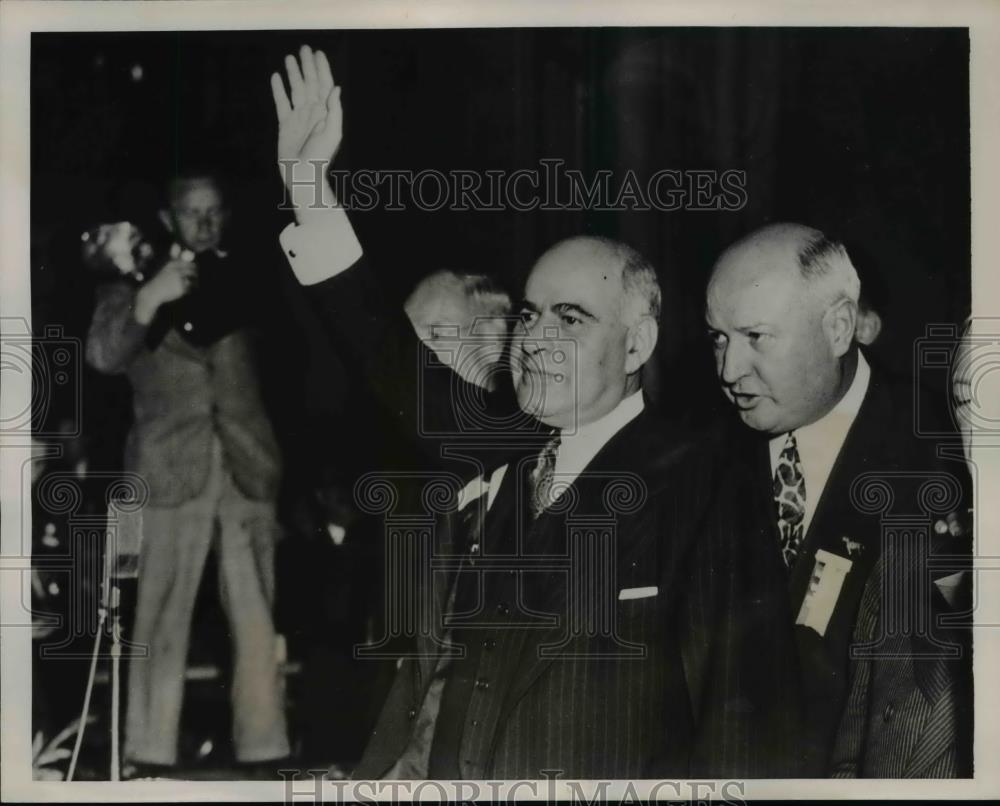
column 744, row 401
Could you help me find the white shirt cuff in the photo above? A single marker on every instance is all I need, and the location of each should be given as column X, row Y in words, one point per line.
column 317, row 252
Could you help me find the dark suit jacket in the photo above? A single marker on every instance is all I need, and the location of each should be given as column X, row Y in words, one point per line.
column 181, row 396
column 712, row 624
column 881, row 452
column 562, row 693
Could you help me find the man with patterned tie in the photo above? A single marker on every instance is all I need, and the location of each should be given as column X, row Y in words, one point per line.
column 563, row 664
column 781, row 314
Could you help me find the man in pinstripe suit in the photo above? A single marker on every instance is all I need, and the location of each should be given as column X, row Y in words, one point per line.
column 553, row 646
column 781, row 313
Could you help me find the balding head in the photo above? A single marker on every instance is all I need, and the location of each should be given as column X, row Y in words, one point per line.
column 638, row 287
column 796, row 253
column 781, row 310
column 590, row 314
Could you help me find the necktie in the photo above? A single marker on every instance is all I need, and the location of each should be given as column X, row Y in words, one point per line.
column 542, row 475
column 790, row 499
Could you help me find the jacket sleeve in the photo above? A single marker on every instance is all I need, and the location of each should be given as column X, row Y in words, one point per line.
column 115, row 337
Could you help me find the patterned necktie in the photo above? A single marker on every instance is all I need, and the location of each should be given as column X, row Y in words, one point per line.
column 542, row 475
column 790, row 499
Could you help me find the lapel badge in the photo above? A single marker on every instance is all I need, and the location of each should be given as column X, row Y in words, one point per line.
column 853, row 546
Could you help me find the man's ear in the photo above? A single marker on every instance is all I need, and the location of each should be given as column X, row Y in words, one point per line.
column 640, row 343
column 168, row 221
column 868, row 327
column 839, row 323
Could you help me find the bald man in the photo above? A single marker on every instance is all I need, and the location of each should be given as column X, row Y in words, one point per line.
column 551, row 642
column 822, row 437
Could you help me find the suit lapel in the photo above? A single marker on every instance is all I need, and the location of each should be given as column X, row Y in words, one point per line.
column 835, row 517
column 634, row 448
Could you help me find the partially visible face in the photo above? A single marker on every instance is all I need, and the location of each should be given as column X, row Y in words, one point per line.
column 478, row 351
column 568, row 359
column 466, row 332
column 772, row 357
column 975, row 381
column 197, row 215
column 962, row 377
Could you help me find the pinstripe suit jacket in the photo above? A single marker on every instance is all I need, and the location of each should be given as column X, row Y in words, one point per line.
column 909, row 710
column 711, row 625
column 587, row 703
column 797, row 738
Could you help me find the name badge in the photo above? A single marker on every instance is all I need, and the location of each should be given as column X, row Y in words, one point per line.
column 824, row 590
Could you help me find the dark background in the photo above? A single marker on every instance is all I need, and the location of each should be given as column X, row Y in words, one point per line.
column 863, row 133
column 860, row 132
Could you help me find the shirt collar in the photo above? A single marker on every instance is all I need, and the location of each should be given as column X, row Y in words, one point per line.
column 850, row 403
column 578, row 447
column 844, row 412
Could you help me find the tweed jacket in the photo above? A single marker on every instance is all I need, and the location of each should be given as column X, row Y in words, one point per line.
column 183, row 396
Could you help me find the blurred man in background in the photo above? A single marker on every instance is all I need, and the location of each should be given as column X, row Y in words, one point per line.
column 202, row 442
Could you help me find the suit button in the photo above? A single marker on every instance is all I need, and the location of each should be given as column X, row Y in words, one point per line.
column 489, row 643
column 503, row 609
column 475, row 724
column 889, row 712
column 474, row 548
column 411, row 714
column 482, row 683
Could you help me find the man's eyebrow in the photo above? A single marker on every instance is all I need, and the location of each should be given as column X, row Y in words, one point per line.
column 753, row 326
column 572, row 307
column 525, row 305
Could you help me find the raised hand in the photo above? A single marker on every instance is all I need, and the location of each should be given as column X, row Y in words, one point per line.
column 310, row 126
column 171, row 282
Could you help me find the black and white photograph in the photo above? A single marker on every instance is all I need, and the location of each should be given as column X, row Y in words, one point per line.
column 502, row 403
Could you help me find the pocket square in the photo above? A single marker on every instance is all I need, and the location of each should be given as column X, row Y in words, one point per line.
column 637, row 593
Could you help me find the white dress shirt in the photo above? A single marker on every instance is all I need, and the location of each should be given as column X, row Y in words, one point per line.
column 576, row 449
column 317, row 252
column 820, row 442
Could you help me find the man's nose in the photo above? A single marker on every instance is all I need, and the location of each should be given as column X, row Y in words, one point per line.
column 539, row 336
column 731, row 364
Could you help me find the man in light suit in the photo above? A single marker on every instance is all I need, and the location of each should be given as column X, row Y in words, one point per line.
column 553, row 643
column 203, row 443
column 822, row 435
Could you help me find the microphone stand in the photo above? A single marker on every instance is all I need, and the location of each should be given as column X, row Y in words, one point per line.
column 116, row 655
column 110, row 605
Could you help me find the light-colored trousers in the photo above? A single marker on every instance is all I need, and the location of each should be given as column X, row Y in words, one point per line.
column 175, row 544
